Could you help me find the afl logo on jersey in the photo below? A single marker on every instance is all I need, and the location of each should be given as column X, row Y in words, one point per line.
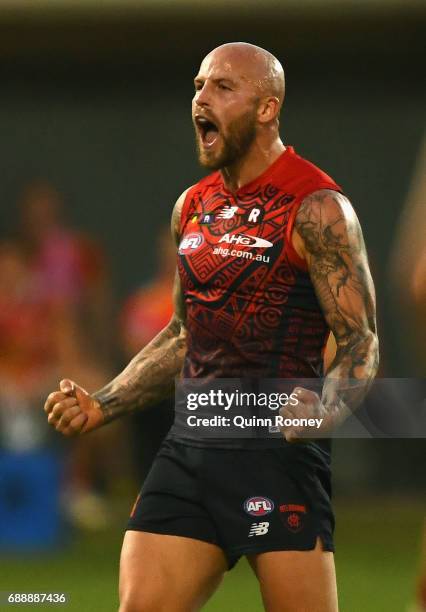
column 190, row 243
column 258, row 506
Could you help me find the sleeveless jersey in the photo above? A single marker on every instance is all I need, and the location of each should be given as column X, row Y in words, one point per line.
column 251, row 309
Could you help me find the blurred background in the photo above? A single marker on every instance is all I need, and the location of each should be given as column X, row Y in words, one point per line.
column 96, row 144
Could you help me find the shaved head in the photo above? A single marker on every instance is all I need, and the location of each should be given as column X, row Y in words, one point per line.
column 256, row 65
column 239, row 92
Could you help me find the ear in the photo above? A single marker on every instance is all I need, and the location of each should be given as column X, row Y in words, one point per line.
column 268, row 109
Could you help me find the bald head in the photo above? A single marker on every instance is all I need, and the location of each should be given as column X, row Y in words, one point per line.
column 239, row 91
column 255, row 65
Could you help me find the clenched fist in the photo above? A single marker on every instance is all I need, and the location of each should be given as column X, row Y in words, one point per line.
column 310, row 409
column 71, row 410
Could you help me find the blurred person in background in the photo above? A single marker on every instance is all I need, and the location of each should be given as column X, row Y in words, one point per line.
column 408, row 265
column 31, row 333
column 69, row 272
column 36, row 340
column 408, row 277
column 145, row 313
column 69, row 266
column 235, row 317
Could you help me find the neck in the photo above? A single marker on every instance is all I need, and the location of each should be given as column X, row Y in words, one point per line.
column 257, row 159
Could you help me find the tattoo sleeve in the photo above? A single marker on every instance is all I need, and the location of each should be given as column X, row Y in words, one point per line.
column 338, row 266
column 150, row 375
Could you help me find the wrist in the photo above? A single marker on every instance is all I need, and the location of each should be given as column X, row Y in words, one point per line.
column 107, row 406
column 336, row 411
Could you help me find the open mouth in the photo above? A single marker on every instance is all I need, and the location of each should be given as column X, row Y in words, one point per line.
column 207, row 130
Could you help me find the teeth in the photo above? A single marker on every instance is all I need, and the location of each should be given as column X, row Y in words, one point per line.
column 203, row 122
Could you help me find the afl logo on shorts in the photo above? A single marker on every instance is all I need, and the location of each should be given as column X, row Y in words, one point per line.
column 258, row 506
column 190, row 243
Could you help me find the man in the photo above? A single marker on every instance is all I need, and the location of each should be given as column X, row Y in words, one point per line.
column 261, row 309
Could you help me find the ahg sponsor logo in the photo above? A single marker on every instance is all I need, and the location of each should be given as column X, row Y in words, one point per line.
column 225, row 252
column 245, row 240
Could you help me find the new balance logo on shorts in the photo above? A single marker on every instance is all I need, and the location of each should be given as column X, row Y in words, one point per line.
column 258, row 529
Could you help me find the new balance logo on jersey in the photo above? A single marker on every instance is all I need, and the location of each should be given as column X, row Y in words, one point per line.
column 258, row 529
column 228, row 212
column 245, row 240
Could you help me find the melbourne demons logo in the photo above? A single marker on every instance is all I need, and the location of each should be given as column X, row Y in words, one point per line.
column 258, row 506
column 293, row 516
column 190, row 243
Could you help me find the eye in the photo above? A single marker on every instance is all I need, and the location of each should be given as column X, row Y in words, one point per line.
column 222, row 86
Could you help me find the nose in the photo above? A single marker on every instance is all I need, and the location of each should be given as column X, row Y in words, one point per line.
column 202, row 96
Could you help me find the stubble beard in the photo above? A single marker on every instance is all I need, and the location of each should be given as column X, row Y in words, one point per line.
column 240, row 137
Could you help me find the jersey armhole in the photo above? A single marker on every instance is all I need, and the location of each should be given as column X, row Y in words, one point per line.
column 186, row 208
column 292, row 253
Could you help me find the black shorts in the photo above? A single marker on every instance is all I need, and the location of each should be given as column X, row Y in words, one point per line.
column 245, row 501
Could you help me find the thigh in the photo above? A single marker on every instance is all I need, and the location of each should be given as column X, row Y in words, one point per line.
column 160, row 573
column 297, row 581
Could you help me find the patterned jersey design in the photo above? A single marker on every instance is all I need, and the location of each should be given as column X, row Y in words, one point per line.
column 251, row 307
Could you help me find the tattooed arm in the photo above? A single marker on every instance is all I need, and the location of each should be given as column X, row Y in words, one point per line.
column 150, row 375
column 147, row 379
column 328, row 236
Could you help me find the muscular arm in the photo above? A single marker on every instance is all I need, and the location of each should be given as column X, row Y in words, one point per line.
column 149, row 377
column 332, row 244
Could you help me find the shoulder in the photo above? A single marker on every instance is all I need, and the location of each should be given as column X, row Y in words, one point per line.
column 326, row 219
column 177, row 208
column 186, row 197
column 325, row 204
column 304, row 176
column 177, row 213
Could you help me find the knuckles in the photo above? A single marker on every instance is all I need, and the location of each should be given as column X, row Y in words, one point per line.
column 307, row 396
column 64, row 413
column 57, row 410
column 53, row 399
